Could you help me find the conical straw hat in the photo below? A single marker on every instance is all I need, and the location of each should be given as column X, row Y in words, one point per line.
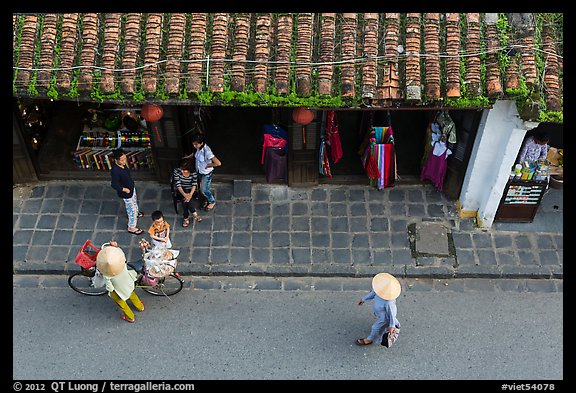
column 110, row 261
column 386, row 286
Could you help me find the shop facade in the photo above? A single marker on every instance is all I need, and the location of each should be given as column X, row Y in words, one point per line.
column 234, row 76
column 78, row 138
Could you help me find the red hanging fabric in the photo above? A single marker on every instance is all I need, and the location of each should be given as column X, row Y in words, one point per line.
column 271, row 141
column 372, row 167
column 333, row 137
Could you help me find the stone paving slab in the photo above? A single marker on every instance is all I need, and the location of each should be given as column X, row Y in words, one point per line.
column 328, row 230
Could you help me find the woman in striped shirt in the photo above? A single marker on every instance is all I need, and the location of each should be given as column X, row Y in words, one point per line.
column 185, row 181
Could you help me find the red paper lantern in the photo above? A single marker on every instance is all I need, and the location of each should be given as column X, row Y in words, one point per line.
column 152, row 113
column 302, row 116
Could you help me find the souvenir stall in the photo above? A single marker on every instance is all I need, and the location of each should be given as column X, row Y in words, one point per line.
column 379, row 157
column 440, row 137
column 330, row 144
column 524, row 190
column 106, row 130
column 274, row 152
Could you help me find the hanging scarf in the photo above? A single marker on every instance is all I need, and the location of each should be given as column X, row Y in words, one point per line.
column 333, row 137
column 323, row 163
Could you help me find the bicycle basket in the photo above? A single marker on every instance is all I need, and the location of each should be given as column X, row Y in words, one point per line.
column 87, row 255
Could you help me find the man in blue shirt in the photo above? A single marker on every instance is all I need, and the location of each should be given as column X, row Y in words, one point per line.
column 385, row 289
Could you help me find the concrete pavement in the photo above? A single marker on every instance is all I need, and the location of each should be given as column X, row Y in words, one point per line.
column 265, row 230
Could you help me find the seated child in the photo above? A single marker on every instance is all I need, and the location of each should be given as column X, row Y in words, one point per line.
column 159, row 231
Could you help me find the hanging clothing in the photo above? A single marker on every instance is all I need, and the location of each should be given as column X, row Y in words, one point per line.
column 276, row 164
column 447, row 126
column 333, row 137
column 275, row 131
column 271, row 141
column 435, row 169
column 439, row 148
column 380, row 154
column 323, row 162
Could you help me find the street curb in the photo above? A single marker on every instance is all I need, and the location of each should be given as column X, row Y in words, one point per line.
column 338, row 284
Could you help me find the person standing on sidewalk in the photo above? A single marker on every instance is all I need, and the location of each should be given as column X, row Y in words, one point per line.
column 125, row 188
column 385, row 289
column 111, row 262
column 206, row 161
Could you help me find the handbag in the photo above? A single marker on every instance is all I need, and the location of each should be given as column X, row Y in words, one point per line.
column 388, row 339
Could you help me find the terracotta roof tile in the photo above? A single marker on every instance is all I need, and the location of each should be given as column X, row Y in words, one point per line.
column 47, row 44
column 196, row 52
column 67, row 50
column 325, row 68
column 452, row 55
column 239, row 57
column 432, row 60
column 130, row 55
column 262, row 52
column 27, row 46
column 174, row 52
column 413, row 37
column 152, row 52
column 551, row 80
column 493, row 81
column 348, row 47
column 376, row 60
column 90, row 24
column 284, row 43
column 371, row 52
column 110, row 52
column 303, row 54
column 472, row 78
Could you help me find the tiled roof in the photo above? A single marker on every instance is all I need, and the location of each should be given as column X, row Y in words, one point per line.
column 378, row 60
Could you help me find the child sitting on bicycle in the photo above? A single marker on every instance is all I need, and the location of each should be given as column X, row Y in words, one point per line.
column 160, row 231
column 111, row 262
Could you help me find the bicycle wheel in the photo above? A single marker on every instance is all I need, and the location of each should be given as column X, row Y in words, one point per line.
column 167, row 286
column 82, row 283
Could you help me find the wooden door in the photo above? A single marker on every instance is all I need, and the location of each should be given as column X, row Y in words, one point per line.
column 23, row 170
column 303, row 154
column 166, row 148
column 466, row 122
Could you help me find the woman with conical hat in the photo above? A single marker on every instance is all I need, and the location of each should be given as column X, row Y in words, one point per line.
column 385, row 289
column 111, row 262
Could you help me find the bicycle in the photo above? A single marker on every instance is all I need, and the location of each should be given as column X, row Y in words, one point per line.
column 88, row 281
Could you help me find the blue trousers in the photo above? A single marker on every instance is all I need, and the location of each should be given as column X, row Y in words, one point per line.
column 205, row 183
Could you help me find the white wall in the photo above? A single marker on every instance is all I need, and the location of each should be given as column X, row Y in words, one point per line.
column 498, row 141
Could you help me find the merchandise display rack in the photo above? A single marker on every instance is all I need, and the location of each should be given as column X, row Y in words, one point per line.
column 95, row 146
column 520, row 200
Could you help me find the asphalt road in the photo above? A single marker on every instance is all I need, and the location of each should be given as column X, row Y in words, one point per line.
column 241, row 334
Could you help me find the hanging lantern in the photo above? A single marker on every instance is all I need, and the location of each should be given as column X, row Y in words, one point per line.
column 303, row 116
column 152, row 113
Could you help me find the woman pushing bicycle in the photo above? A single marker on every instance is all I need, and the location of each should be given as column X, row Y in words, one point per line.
column 111, row 262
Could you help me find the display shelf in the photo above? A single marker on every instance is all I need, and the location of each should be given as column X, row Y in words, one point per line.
column 520, row 200
column 95, row 147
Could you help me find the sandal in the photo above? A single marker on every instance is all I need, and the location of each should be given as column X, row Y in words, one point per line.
column 140, row 214
column 137, row 232
column 124, row 317
column 185, row 222
column 197, row 217
column 207, row 208
column 362, row 341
